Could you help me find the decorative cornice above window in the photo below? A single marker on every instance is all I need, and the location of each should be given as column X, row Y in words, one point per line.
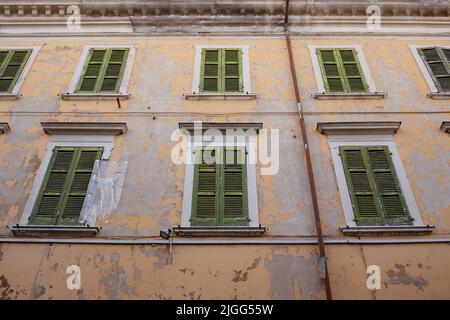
column 84, row 128
column 376, row 127
column 445, row 126
column 190, row 126
column 4, row 127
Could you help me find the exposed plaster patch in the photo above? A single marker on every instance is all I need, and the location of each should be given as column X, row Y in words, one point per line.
column 115, row 280
column 5, row 288
column 402, row 277
column 37, row 291
column 288, row 271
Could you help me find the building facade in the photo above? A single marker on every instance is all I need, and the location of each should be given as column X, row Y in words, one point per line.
column 106, row 108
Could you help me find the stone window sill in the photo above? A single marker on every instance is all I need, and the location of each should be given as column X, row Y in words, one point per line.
column 439, row 95
column 345, row 95
column 220, row 96
column 50, row 230
column 93, row 96
column 9, row 96
column 219, row 231
column 387, row 230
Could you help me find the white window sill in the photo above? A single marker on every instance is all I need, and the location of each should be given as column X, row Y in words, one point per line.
column 387, row 230
column 54, row 230
column 219, row 231
column 349, row 95
column 9, row 96
column 93, row 96
column 439, row 95
column 220, row 96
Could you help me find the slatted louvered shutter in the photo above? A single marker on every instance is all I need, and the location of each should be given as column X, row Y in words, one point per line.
column 234, row 182
column 232, row 70
column 438, row 64
column 333, row 79
column 78, row 185
column 206, row 196
column 92, row 71
column 211, row 70
column 50, row 198
column 387, row 186
column 12, row 65
column 114, row 70
column 361, row 188
column 351, row 68
column 65, row 184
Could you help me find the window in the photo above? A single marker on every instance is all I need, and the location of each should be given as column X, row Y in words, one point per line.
column 373, row 186
column 12, row 63
column 65, row 184
column 103, row 70
column 437, row 61
column 341, row 70
column 221, row 70
column 220, row 187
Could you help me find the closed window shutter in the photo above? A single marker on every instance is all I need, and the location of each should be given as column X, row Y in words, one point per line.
column 104, row 70
column 341, row 70
column 438, row 63
column 205, row 204
column 234, row 187
column 220, row 187
column 332, row 76
column 92, row 70
column 373, row 186
column 65, row 184
column 12, row 63
column 361, row 189
column 211, row 70
column 386, row 182
column 354, row 77
column 114, row 70
column 232, row 73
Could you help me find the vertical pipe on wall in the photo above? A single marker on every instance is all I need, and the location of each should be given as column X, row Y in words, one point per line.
column 312, row 184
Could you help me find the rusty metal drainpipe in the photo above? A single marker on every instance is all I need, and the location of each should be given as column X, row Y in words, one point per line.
column 312, row 184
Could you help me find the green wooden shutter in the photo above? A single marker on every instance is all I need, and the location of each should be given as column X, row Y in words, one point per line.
column 114, row 70
column 437, row 61
column 206, row 195
column 220, row 187
column 211, row 70
column 333, row 79
column 104, row 70
column 64, row 186
column 341, row 70
column 373, row 187
column 12, row 63
column 232, row 70
column 388, row 189
column 360, row 186
column 234, row 181
column 352, row 71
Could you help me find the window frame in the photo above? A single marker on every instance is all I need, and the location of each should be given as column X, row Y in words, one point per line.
column 252, row 205
column 429, row 78
column 126, row 75
column 320, row 82
column 245, row 67
column 336, row 141
column 26, row 68
column 106, row 142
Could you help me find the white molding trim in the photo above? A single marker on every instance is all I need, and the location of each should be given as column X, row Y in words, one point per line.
column 362, row 61
column 34, row 52
column 80, row 66
column 426, row 74
column 370, row 140
column 107, row 142
column 358, row 128
column 198, row 65
column 189, row 178
column 84, row 128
